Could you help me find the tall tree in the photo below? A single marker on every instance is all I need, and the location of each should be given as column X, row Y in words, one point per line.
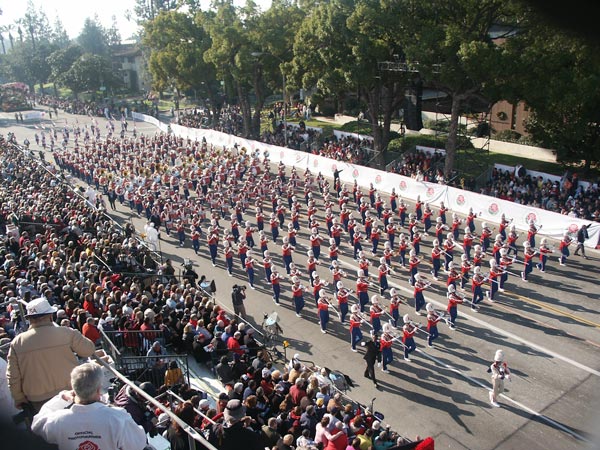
column 231, row 52
column 113, row 35
column 89, row 73
column 34, row 25
column 273, row 38
column 177, row 42
column 93, row 38
column 455, row 50
column 337, row 49
column 557, row 73
column 59, row 35
column 148, row 9
column 60, row 61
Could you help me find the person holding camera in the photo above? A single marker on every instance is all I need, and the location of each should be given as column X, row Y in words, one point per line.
column 238, row 295
column 499, row 370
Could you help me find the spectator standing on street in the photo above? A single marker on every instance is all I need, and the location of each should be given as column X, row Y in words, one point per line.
column 47, row 349
column 582, row 236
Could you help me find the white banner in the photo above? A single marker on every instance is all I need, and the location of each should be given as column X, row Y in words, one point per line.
column 488, row 208
column 340, row 134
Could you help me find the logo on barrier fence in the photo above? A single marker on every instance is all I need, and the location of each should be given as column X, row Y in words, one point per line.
column 378, row 179
column 573, row 228
column 333, row 167
column 315, row 163
column 298, row 157
column 355, row 173
column 460, row 200
column 403, row 185
column 281, row 154
column 430, row 192
column 531, row 216
column 493, row 209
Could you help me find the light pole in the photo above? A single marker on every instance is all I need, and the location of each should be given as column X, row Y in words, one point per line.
column 259, row 54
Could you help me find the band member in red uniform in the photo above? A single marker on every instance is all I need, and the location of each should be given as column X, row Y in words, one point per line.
column 478, row 256
column 275, row 284
column 267, row 264
column 292, row 233
column 385, row 346
column 341, row 296
column 286, row 251
column 564, row 249
column 249, row 265
column 318, row 285
column 298, row 295
column 528, row 254
column 449, row 245
column 363, row 263
column 442, row 212
column 419, row 208
column 512, row 241
column 228, row 253
column 427, row 213
column 362, row 289
column 274, row 225
column 336, row 273
column 408, row 337
column 375, row 237
column 432, row 320
column 384, row 270
column 323, row 309
column 416, row 241
column 465, row 268
column 498, row 244
column 402, row 208
column 453, row 301
column 505, row 262
column 394, row 304
column 544, row 250
column 402, row 248
column 477, row 287
column 336, row 232
column 213, row 242
column 413, row 263
column 468, row 242
column 484, row 239
column 248, row 232
column 420, row 286
column 315, row 242
column 355, row 332
column 531, row 232
column 503, row 225
column 390, row 229
column 375, row 313
column 471, row 220
column 453, row 275
column 436, row 253
column 440, row 228
column 311, row 265
column 494, row 277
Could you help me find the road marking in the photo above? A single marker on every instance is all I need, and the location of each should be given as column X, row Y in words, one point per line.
column 498, row 330
column 504, row 396
column 554, row 309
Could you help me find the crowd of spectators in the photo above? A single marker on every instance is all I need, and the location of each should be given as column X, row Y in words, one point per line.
column 96, row 108
column 421, row 165
column 72, row 254
column 567, row 196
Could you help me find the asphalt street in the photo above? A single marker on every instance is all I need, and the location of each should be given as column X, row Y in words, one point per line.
column 548, row 328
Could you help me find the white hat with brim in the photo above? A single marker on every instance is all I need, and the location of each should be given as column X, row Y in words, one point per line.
column 234, row 412
column 39, row 307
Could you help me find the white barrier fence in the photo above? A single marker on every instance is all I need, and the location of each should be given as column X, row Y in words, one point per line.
column 342, row 134
column 489, row 208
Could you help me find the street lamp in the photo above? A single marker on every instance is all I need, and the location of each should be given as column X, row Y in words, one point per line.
column 258, row 55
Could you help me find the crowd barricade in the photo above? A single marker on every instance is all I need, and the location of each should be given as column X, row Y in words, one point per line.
column 458, row 200
column 342, row 134
column 535, row 174
column 195, row 439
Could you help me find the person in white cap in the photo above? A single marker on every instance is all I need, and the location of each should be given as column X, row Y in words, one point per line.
column 47, row 349
column 499, row 370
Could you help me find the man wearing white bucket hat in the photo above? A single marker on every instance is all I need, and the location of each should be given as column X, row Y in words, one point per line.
column 499, row 370
column 45, row 349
